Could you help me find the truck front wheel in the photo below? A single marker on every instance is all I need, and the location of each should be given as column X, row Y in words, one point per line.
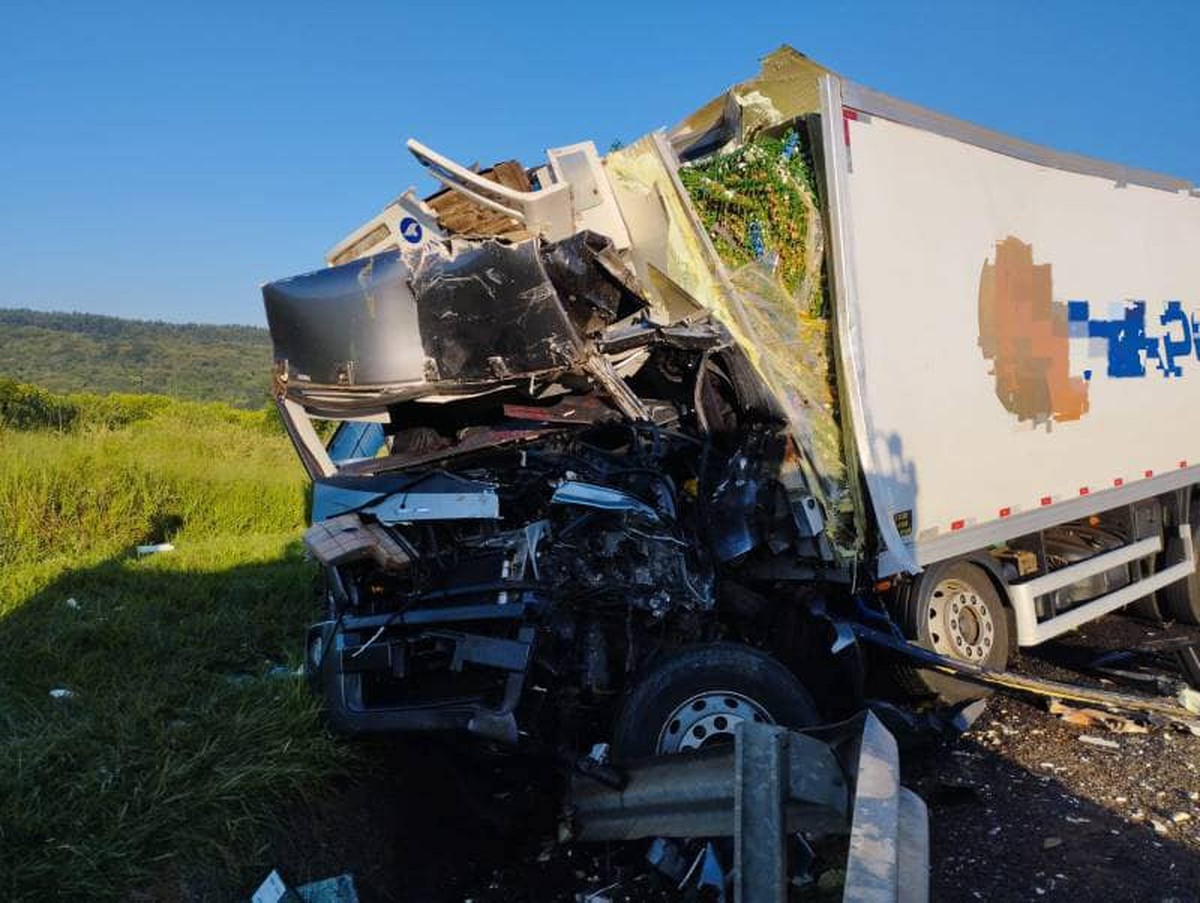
column 695, row 697
column 955, row 610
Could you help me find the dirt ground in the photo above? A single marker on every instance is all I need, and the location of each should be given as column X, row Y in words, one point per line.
column 1022, row 807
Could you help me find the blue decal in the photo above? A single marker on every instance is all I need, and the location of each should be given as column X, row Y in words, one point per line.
column 1175, row 347
column 1126, row 345
column 411, row 230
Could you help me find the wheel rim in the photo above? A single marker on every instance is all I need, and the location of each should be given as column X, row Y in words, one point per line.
column 707, row 719
column 960, row 622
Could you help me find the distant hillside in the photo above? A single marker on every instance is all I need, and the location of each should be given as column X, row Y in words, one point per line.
column 89, row 353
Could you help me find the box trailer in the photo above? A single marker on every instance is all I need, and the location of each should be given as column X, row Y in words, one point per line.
column 626, row 441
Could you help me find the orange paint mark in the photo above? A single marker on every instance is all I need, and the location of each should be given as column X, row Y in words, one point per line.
column 1148, row 474
column 1083, row 490
column 1005, row 512
column 958, row 525
column 1046, row 500
column 1118, row 482
column 1023, row 332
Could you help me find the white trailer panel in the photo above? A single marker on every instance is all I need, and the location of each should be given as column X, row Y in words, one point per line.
column 1018, row 328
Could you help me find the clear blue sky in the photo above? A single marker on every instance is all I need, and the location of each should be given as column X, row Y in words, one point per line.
column 162, row 160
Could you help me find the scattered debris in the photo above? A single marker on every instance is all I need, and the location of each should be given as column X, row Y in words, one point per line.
column 1089, row 717
column 155, row 548
column 1099, row 741
column 72, row 602
column 1189, row 699
column 62, row 693
column 274, row 889
column 1051, row 842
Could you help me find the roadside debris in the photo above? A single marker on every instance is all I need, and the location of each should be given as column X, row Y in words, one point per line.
column 62, row 693
column 155, row 548
column 1098, row 741
column 274, row 889
column 1089, row 717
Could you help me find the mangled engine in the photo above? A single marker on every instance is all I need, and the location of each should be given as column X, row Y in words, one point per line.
column 559, row 564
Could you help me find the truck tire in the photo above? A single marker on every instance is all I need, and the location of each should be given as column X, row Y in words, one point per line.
column 1181, row 600
column 954, row 609
column 694, row 697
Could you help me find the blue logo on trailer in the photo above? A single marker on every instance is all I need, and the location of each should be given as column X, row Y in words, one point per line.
column 1127, row 343
column 411, row 230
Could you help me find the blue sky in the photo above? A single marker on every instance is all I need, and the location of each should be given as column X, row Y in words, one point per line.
column 161, row 160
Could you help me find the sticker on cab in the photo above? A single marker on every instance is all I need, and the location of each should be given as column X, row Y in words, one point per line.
column 411, row 230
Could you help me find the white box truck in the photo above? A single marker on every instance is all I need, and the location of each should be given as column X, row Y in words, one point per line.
column 628, row 440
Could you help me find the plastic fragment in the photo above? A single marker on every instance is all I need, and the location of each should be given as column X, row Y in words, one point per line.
column 1190, row 700
column 1087, row 717
column 155, row 548
column 1099, row 741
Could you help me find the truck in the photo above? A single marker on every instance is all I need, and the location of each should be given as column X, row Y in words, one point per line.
column 622, row 448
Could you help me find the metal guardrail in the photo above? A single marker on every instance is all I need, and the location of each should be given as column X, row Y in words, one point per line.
column 841, row 779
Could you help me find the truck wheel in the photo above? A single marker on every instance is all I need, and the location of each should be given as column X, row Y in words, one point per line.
column 955, row 610
column 1181, row 600
column 693, row 699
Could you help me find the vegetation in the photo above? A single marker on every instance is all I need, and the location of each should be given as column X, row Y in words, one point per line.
column 182, row 726
column 757, row 200
column 88, row 353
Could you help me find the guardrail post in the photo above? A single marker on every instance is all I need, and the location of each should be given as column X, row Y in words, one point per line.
column 760, row 852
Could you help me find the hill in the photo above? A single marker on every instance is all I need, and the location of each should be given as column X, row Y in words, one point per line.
column 69, row 352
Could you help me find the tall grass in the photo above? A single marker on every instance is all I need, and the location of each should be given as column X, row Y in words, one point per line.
column 99, row 489
column 182, row 730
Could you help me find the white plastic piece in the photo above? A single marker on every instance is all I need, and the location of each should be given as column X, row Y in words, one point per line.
column 155, row 548
column 61, row 693
column 546, row 211
column 595, row 206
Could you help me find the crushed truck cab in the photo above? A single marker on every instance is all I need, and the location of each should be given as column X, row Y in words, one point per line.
column 623, row 443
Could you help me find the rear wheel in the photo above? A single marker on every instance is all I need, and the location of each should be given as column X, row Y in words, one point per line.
column 694, row 698
column 956, row 611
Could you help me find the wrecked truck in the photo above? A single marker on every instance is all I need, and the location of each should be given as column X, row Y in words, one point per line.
column 624, row 445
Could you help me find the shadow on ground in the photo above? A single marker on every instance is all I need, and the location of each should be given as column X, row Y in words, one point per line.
column 182, row 769
column 175, row 730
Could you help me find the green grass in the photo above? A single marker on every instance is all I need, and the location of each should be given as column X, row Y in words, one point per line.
column 159, row 777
